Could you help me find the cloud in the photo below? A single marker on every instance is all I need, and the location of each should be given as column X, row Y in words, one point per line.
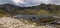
column 27, row 3
column 57, row 2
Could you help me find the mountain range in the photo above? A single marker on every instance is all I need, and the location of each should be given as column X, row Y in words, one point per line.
column 33, row 10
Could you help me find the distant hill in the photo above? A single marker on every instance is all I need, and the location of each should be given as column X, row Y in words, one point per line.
column 33, row 10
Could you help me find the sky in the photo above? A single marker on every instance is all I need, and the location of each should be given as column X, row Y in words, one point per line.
column 27, row 3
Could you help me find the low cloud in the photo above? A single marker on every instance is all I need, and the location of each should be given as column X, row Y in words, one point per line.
column 27, row 3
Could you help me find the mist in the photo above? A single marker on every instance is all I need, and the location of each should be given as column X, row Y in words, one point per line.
column 26, row 3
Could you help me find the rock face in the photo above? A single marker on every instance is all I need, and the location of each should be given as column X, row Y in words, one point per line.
column 14, row 23
column 9, row 8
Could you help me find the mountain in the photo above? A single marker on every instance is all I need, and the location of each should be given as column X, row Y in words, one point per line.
column 33, row 10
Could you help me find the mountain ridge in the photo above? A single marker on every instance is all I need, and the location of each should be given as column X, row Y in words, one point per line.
column 13, row 9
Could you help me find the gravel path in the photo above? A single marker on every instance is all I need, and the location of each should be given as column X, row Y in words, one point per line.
column 14, row 23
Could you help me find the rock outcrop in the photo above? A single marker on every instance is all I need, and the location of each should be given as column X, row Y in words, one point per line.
column 14, row 23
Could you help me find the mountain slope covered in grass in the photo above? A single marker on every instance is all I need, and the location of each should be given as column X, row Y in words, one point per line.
column 3, row 13
column 33, row 10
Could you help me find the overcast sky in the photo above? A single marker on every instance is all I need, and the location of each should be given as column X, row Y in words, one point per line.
column 29, row 2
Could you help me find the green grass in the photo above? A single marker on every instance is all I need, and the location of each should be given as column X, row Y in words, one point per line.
column 32, row 12
column 3, row 13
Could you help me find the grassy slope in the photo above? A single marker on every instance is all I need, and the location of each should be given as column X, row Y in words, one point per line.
column 3, row 13
column 41, row 9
